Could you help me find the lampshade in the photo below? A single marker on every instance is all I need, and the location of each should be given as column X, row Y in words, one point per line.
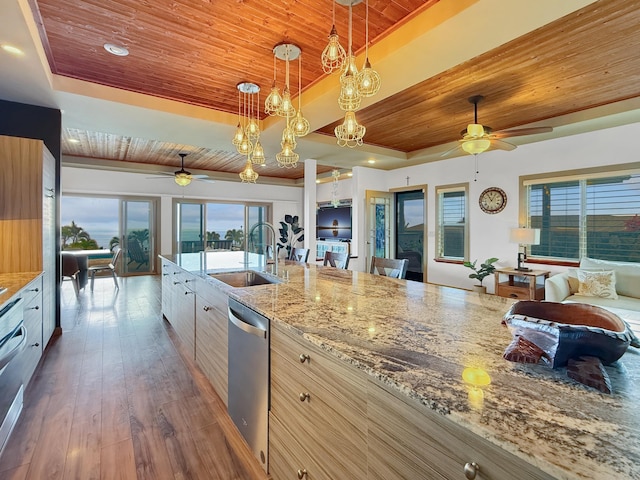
column 350, row 133
column 182, row 178
column 525, row 236
column 333, row 54
column 258, row 157
column 476, row 146
column 287, row 158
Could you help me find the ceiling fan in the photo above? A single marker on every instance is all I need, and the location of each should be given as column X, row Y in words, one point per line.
column 477, row 138
column 183, row 177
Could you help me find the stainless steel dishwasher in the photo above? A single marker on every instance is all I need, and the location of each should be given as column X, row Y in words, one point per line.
column 249, row 377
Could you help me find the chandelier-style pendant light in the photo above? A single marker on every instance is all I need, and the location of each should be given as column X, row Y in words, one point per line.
column 248, row 175
column 335, row 201
column 237, row 137
column 246, row 90
column 350, row 133
column 368, row 78
column 349, row 98
column 286, row 52
column 300, row 125
column 333, row 55
column 287, row 158
column 273, row 102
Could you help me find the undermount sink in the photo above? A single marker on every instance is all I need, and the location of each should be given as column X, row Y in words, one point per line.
column 244, row 278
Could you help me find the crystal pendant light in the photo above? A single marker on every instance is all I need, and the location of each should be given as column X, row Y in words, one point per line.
column 300, row 125
column 335, row 202
column 287, row 158
column 368, row 78
column 333, row 55
column 248, row 175
column 273, row 102
column 350, row 133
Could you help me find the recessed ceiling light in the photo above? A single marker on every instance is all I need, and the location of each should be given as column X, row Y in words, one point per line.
column 74, row 140
column 118, row 50
column 350, row 174
column 12, row 50
column 317, row 180
column 371, row 161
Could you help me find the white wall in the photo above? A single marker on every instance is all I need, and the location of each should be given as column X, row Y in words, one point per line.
column 285, row 200
column 489, row 234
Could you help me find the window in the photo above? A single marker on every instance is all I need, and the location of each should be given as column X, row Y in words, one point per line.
column 452, row 232
column 591, row 214
column 204, row 225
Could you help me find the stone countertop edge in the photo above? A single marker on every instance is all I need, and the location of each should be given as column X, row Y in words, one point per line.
column 429, row 334
column 14, row 282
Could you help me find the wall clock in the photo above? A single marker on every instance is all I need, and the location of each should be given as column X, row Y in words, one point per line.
column 493, row 200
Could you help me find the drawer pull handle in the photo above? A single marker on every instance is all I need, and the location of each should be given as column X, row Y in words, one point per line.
column 471, row 470
column 304, row 396
column 302, row 473
column 206, row 308
column 304, row 357
column 35, row 344
column 176, row 283
column 187, row 293
column 34, row 308
column 165, row 274
column 35, row 290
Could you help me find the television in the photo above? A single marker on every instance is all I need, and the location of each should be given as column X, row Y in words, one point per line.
column 334, row 223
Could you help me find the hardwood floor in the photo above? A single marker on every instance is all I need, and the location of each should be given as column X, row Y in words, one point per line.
column 114, row 398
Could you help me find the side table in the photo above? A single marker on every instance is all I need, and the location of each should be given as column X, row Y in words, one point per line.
column 520, row 285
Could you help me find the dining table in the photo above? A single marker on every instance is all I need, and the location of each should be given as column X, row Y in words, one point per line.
column 83, row 257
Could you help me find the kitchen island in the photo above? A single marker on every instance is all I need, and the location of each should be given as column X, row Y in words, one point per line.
column 417, row 340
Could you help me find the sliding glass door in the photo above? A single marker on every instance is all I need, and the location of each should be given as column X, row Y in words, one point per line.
column 95, row 222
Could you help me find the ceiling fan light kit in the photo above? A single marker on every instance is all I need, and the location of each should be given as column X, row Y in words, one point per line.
column 478, row 138
column 182, row 177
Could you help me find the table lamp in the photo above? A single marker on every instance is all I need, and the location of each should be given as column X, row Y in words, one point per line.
column 524, row 237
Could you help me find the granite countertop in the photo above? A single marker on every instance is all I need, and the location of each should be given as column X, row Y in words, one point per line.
column 418, row 338
column 14, row 282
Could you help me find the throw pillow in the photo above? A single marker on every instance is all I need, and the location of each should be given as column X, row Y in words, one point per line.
column 597, row 284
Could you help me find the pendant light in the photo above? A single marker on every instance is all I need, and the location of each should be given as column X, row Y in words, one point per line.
column 349, row 98
column 248, row 175
column 350, row 133
column 237, row 137
column 333, row 55
column 368, row 78
column 273, row 101
column 300, row 125
column 247, row 90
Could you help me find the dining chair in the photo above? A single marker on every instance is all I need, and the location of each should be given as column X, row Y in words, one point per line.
column 299, row 255
column 70, row 270
column 137, row 253
column 336, row 259
column 389, row 267
column 109, row 267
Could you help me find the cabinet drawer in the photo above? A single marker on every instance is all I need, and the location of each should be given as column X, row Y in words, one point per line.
column 333, row 426
column 287, row 457
column 32, row 292
column 33, row 323
column 215, row 297
column 517, row 292
column 407, row 440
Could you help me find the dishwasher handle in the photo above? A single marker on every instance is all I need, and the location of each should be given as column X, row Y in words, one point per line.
column 246, row 327
column 5, row 358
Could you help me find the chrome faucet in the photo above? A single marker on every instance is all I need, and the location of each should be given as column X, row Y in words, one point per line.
column 274, row 248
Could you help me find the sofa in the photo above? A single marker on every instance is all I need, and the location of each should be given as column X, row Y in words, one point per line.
column 620, row 293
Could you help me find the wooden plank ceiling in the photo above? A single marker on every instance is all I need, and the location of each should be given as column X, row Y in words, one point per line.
column 191, row 51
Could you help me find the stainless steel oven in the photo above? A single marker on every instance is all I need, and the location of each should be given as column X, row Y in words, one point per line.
column 13, row 340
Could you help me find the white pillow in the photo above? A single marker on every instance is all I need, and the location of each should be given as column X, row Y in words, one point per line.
column 597, row 284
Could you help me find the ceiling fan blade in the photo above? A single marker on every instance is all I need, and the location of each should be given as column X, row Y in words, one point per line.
column 500, row 145
column 516, row 132
column 451, row 150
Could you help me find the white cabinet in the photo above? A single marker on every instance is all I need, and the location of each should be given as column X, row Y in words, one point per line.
column 32, row 296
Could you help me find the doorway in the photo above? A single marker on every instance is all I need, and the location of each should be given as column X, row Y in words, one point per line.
column 410, row 222
column 90, row 222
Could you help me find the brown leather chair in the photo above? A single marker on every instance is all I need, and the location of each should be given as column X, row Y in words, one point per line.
column 110, row 267
column 336, row 259
column 389, row 267
column 299, row 255
column 71, row 270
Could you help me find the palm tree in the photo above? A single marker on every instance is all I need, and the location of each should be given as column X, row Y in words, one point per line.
column 113, row 242
column 212, row 236
column 75, row 233
column 236, row 236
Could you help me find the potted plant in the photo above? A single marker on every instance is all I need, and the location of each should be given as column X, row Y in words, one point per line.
column 290, row 233
column 486, row 268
